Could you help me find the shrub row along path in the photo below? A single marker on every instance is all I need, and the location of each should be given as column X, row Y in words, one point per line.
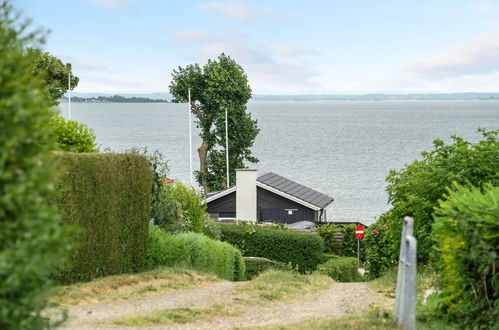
column 341, row 299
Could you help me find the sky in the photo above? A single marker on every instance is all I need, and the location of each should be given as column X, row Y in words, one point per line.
column 285, row 47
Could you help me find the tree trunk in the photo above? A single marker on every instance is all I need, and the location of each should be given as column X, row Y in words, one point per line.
column 203, row 153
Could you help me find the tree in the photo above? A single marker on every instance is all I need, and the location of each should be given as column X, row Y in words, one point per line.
column 32, row 242
column 221, row 84
column 54, row 73
column 73, row 136
column 416, row 189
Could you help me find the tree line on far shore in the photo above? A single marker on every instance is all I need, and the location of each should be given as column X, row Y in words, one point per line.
column 115, row 99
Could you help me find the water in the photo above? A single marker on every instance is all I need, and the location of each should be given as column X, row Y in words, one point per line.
column 341, row 148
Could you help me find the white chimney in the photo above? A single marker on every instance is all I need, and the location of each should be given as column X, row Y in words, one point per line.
column 246, row 194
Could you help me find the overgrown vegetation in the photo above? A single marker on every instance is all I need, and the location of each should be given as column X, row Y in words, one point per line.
column 194, row 251
column 342, row 269
column 255, row 266
column 32, row 243
column 303, row 251
column 466, row 232
column 416, row 189
column 111, row 210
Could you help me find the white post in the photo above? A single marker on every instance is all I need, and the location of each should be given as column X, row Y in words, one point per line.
column 190, row 138
column 69, row 94
column 358, row 250
column 227, row 146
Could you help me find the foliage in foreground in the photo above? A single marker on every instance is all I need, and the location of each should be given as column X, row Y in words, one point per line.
column 342, row 269
column 32, row 241
column 304, row 251
column 73, row 136
column 218, row 85
column 416, row 189
column 108, row 197
column 466, row 232
column 194, row 251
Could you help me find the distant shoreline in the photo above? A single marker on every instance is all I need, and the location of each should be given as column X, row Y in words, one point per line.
column 113, row 99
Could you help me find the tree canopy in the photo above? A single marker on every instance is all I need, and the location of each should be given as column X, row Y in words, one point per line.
column 220, row 84
column 54, row 73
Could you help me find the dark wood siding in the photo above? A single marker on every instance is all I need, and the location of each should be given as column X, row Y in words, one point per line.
column 272, row 207
column 226, row 203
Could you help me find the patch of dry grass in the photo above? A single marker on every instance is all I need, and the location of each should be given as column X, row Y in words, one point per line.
column 128, row 286
column 283, row 285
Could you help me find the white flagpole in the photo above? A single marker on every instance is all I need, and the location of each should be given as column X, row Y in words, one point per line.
column 227, row 146
column 190, row 138
column 69, row 94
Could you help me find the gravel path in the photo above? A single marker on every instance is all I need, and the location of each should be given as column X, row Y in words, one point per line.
column 339, row 300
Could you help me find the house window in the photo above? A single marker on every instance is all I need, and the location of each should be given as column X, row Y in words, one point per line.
column 290, row 211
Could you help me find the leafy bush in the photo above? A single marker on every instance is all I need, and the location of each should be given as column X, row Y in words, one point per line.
column 466, row 232
column 299, row 249
column 196, row 251
column 212, row 228
column 255, row 266
column 191, row 205
column 330, row 234
column 109, row 197
column 32, row 242
column 344, row 269
column 415, row 189
column 72, row 136
column 378, row 249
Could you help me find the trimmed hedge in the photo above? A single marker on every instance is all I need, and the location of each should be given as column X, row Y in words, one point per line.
column 255, row 266
column 195, row 251
column 108, row 197
column 345, row 269
column 466, row 232
column 299, row 249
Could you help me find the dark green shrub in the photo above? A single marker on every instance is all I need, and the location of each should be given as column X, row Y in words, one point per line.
column 108, row 196
column 72, row 136
column 195, row 251
column 344, row 269
column 32, row 242
column 255, row 266
column 302, row 250
column 466, row 232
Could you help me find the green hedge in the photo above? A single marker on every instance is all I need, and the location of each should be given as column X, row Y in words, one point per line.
column 466, row 232
column 108, row 197
column 299, row 249
column 255, row 266
column 345, row 269
column 195, row 251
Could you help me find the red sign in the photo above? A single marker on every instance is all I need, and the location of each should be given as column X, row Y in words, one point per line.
column 359, row 232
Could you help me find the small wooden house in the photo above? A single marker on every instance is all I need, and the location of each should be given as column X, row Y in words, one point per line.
column 268, row 198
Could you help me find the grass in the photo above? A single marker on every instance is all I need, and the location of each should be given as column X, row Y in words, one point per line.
column 374, row 319
column 129, row 286
column 270, row 286
column 283, row 285
column 177, row 315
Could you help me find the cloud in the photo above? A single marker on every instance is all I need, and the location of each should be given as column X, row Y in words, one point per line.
column 83, row 65
column 114, row 4
column 284, row 49
column 243, row 12
column 478, row 57
column 265, row 65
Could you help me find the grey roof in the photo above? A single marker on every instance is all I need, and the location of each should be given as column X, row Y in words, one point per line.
column 295, row 189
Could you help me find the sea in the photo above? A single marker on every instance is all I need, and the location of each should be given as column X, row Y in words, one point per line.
column 344, row 149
